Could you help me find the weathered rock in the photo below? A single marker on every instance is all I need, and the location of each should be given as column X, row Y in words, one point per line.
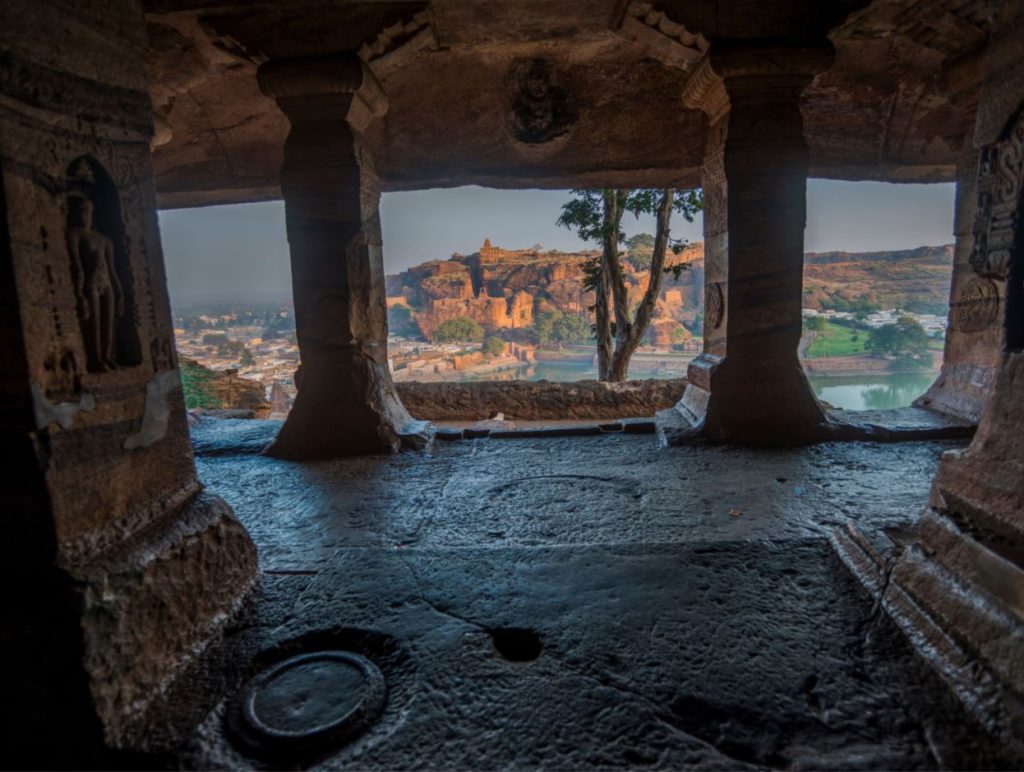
column 538, row 400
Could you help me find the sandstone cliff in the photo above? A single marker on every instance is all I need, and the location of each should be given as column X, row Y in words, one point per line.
column 506, row 289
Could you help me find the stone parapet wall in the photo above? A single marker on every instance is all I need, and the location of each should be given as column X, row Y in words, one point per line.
column 539, row 400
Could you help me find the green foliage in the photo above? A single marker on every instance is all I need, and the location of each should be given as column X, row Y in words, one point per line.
column 493, row 346
column 195, row 382
column 905, row 339
column 459, row 329
column 557, row 327
column 400, row 322
column 247, row 359
column 815, row 323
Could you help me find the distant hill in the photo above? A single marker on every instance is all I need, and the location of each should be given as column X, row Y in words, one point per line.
column 507, row 289
column 912, row 279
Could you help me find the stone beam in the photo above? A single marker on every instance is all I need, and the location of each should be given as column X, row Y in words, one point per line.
column 346, row 404
column 748, row 386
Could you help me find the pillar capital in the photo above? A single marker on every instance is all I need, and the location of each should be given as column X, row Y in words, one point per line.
column 312, row 86
column 734, row 71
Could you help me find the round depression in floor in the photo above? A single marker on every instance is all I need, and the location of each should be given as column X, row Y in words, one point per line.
column 312, row 701
column 516, row 644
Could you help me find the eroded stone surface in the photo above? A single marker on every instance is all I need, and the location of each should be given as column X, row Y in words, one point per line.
column 674, row 607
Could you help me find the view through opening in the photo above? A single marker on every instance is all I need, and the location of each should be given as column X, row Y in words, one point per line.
column 483, row 284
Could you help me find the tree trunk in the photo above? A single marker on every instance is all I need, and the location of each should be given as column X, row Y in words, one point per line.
column 628, row 338
column 603, row 324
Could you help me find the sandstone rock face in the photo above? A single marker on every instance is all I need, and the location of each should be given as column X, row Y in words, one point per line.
column 883, row 111
column 506, row 289
column 228, row 390
column 539, row 400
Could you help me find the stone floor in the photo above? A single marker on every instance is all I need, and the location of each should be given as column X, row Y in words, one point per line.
column 587, row 601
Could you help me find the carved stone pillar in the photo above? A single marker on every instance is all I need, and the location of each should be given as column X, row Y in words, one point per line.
column 346, row 403
column 957, row 587
column 748, row 385
column 118, row 567
column 974, row 335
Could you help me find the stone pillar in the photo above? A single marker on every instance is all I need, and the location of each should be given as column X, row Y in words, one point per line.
column 957, row 587
column 346, row 403
column 974, row 335
column 748, row 385
column 118, row 567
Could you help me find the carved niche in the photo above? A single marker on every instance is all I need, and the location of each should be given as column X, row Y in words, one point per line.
column 1000, row 175
column 100, row 264
column 539, row 110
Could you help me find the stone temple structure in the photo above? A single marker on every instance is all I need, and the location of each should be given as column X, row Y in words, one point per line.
column 141, row 629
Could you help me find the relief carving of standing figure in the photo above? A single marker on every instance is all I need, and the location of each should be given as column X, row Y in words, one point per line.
column 97, row 287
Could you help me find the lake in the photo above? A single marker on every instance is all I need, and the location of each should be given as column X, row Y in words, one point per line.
column 870, row 391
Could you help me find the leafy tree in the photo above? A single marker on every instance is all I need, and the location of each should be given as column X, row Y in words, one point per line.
column 815, row 323
column 557, row 327
column 596, row 215
column 571, row 329
column 493, row 346
column 247, row 359
column 461, row 328
column 906, row 338
column 400, row 321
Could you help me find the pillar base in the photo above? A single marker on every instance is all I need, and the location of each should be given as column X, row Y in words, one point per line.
column 346, row 406
column 758, row 403
column 149, row 607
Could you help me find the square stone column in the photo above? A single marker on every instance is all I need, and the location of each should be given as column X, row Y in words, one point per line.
column 346, row 403
column 748, row 385
column 974, row 334
column 118, row 567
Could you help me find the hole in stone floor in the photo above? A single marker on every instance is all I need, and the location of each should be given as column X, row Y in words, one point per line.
column 516, row 644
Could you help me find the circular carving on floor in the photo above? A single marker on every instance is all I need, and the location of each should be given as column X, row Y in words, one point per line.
column 976, row 306
column 313, row 700
column 715, row 300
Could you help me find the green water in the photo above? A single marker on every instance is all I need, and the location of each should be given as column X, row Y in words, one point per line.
column 870, row 391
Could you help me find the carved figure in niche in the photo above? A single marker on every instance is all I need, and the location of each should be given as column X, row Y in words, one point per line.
column 539, row 110
column 97, row 288
column 101, row 270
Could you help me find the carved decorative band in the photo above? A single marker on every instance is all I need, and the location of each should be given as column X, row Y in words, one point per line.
column 1000, row 179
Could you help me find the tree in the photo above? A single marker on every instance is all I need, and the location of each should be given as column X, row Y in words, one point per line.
column 557, row 327
column 247, row 359
column 596, row 215
column 493, row 346
column 906, row 338
column 461, row 328
column 815, row 323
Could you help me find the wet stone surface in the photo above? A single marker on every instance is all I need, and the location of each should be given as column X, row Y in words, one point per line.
column 597, row 601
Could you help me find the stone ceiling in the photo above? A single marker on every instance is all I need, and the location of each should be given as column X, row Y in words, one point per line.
column 890, row 108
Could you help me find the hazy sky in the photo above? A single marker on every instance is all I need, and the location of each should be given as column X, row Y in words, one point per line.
column 241, row 251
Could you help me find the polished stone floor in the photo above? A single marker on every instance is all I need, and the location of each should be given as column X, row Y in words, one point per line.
column 588, row 601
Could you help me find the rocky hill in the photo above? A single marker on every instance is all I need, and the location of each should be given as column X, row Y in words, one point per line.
column 507, row 289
